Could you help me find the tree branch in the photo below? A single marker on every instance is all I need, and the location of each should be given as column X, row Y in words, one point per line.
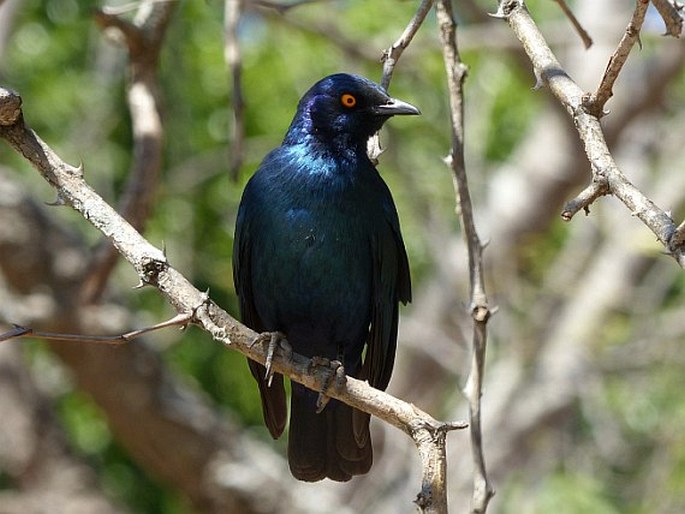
column 604, row 169
column 392, row 54
column 232, row 56
column 672, row 16
column 389, row 58
column 584, row 36
column 153, row 269
column 594, row 104
column 480, row 312
column 143, row 37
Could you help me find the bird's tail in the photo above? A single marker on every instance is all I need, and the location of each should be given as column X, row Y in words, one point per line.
column 333, row 444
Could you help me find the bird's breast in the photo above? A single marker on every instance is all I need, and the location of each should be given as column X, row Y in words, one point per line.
column 313, row 271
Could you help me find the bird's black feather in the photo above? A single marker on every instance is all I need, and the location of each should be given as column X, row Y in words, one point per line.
column 318, row 255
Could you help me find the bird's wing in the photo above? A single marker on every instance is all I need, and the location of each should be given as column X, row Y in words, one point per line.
column 273, row 397
column 392, row 285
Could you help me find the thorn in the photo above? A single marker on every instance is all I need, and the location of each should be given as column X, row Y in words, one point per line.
column 204, row 301
column 503, row 12
column 57, row 202
column 76, row 170
column 539, row 83
column 141, row 284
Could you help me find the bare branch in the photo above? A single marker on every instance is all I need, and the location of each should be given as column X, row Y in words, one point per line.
column 327, row 31
column 456, row 74
column 585, row 198
column 281, row 7
column 390, row 57
column 604, row 169
column 584, row 36
column 672, row 16
column 10, row 103
column 152, row 267
column 143, row 37
column 392, row 54
column 17, row 332
column 232, row 55
column 594, row 104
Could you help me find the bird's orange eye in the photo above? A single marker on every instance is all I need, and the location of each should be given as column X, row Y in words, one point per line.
column 348, row 100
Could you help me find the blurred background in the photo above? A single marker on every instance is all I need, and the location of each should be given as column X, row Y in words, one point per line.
column 584, row 400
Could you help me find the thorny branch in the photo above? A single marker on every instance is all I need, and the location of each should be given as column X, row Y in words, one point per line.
column 17, row 331
column 606, row 176
column 672, row 16
column 143, row 37
column 391, row 56
column 456, row 74
column 584, row 36
column 153, row 269
column 594, row 104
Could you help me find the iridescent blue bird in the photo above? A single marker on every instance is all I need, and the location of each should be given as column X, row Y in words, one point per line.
column 318, row 255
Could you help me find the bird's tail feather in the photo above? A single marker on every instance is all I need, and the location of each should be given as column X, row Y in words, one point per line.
column 274, row 406
column 333, row 444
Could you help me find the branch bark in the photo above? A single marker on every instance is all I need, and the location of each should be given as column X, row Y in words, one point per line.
column 607, row 177
column 594, row 104
column 143, row 37
column 480, row 312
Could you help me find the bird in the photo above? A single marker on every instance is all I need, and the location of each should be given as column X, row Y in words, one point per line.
column 318, row 256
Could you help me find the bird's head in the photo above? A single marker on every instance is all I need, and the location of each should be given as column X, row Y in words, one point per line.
column 345, row 110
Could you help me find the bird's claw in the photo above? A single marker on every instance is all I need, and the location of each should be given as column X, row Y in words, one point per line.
column 274, row 340
column 336, row 375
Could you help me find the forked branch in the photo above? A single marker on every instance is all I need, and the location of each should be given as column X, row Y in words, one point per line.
column 607, row 178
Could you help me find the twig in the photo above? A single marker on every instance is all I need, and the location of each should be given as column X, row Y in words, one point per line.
column 152, row 268
column 143, row 37
column 392, row 54
column 550, row 72
column 594, row 104
column 672, row 16
column 598, row 187
column 282, row 8
column 390, row 57
column 328, row 32
column 456, row 74
column 18, row 331
column 232, row 55
column 584, row 36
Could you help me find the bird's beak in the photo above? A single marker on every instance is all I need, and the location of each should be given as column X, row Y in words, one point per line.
column 394, row 107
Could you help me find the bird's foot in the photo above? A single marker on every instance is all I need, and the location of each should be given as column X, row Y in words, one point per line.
column 274, row 341
column 335, row 376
